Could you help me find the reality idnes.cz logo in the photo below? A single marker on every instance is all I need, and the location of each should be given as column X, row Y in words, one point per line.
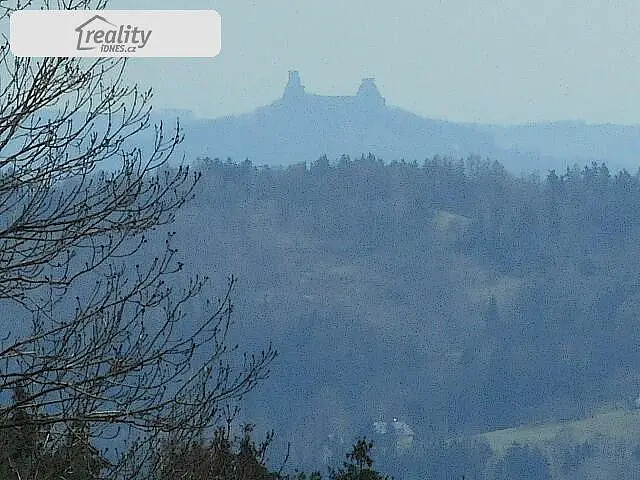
column 100, row 33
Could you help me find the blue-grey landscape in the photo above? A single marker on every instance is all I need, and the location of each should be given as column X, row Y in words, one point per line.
column 302, row 126
column 365, row 241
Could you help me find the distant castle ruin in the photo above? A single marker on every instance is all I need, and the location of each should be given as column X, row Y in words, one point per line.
column 367, row 95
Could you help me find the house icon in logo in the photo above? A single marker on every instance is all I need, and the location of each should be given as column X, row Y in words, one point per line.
column 96, row 21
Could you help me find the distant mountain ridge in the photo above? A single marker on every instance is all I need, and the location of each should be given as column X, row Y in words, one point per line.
column 302, row 126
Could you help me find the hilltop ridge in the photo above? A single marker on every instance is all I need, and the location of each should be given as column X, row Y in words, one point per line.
column 301, row 126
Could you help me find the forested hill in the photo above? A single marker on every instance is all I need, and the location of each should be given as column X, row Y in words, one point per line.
column 285, row 133
column 302, row 126
column 450, row 294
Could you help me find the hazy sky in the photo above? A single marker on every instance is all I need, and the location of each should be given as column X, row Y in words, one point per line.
column 504, row 61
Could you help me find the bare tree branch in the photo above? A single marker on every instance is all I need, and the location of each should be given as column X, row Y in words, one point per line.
column 108, row 346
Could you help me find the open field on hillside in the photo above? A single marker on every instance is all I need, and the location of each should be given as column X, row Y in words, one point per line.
column 621, row 425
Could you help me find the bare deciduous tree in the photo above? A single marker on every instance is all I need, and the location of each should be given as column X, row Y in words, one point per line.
column 101, row 343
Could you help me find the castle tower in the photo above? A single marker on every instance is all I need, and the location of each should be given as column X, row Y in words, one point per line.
column 294, row 88
column 369, row 93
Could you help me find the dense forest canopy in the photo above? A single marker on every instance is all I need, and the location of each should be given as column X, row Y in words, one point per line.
column 420, row 305
column 450, row 292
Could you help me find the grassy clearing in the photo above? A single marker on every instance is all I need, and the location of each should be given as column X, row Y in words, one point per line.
column 621, row 425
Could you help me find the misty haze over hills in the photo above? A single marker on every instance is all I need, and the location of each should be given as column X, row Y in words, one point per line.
column 302, row 126
column 420, row 303
column 457, row 298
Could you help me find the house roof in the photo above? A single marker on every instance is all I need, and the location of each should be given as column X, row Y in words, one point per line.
column 402, row 428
